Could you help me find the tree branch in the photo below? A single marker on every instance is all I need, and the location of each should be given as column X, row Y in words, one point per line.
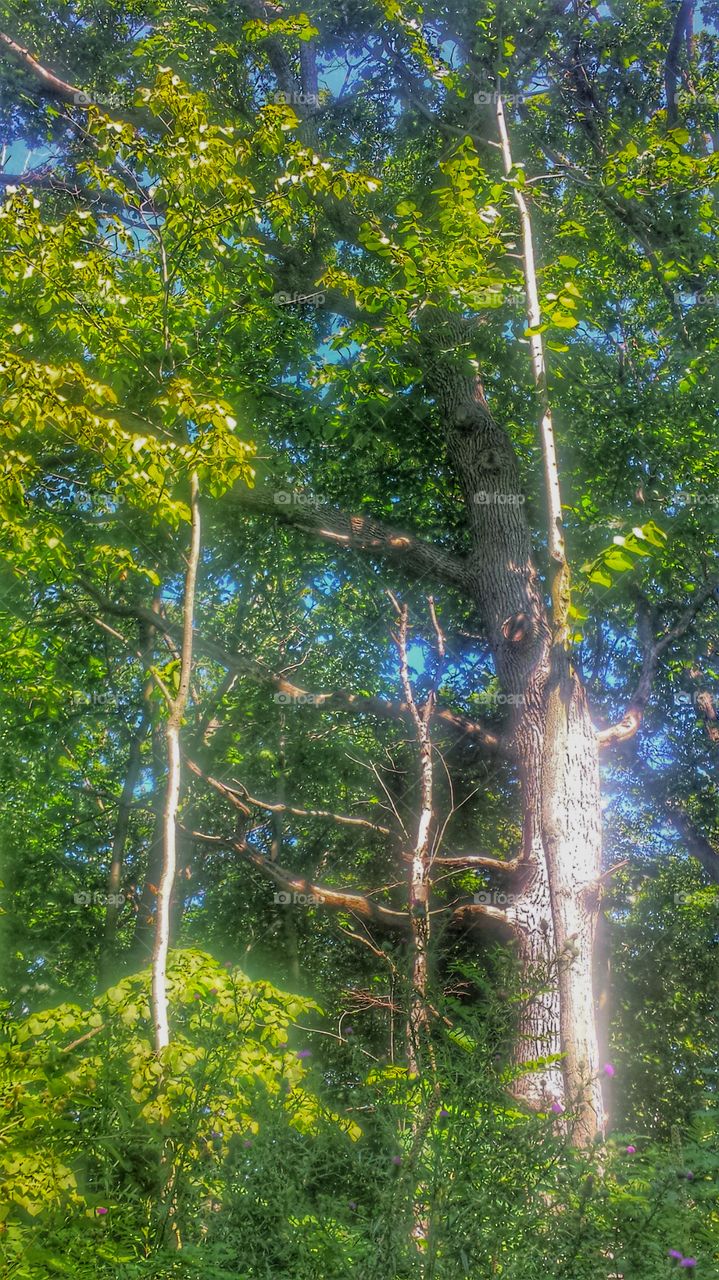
column 697, row 844
column 359, row 533
column 706, row 707
column 467, row 861
column 555, row 527
column 244, row 796
column 682, row 27
column 48, row 81
column 652, row 649
column 628, row 214
column 176, row 709
column 335, row 700
column 360, row 904
column 471, row 913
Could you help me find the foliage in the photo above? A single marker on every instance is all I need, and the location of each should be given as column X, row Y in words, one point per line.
column 97, row 1126
column 204, row 267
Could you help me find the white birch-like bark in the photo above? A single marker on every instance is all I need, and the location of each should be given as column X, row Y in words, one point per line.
column 176, row 709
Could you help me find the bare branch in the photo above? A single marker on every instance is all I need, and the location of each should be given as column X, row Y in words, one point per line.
column 471, row 913
column 245, row 798
column 652, row 649
column 335, row 700
column 48, row 81
column 555, row 526
column 359, row 904
column 467, row 861
column 359, row 533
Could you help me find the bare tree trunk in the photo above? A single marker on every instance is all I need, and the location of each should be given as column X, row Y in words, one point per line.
column 420, row 862
column 418, row 1045
column 176, row 707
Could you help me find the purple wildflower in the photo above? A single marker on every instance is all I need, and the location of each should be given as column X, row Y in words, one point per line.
column 396, row 1160
column 557, row 1108
column 609, row 1069
column 631, row 1151
column 688, row 1262
column 100, row 1211
column 303, row 1053
column 676, row 1254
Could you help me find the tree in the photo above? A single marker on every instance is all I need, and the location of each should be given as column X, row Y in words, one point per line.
column 354, row 274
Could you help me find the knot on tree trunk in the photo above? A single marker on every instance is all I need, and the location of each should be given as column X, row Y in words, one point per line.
column 518, row 629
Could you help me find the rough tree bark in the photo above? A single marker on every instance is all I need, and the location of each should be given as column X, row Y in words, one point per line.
column 570, row 802
column 555, row 915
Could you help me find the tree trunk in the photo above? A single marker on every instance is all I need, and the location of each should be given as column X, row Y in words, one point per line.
column 176, row 709
column 553, row 738
column 571, row 816
column 167, row 880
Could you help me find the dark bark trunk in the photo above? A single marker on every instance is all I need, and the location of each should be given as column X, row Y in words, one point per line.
column 553, row 736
